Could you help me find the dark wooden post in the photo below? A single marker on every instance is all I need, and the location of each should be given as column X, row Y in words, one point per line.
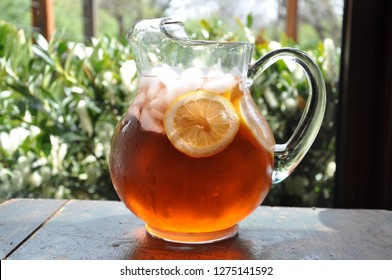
column 43, row 17
column 292, row 18
column 89, row 18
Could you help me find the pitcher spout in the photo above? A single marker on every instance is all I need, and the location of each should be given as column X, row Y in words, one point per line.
column 164, row 41
column 158, row 28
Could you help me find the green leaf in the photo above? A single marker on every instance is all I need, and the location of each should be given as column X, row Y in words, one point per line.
column 249, row 21
column 41, row 42
column 73, row 137
column 42, row 53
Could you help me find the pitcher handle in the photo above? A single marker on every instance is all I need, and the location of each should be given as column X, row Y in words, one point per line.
column 288, row 155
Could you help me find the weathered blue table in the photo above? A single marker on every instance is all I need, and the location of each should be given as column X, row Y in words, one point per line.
column 78, row 229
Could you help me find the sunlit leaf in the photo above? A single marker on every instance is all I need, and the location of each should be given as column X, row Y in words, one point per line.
column 41, row 42
column 41, row 53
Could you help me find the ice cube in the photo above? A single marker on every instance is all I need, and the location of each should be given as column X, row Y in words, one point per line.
column 171, row 89
column 148, row 123
column 153, row 88
column 164, row 71
column 236, row 72
column 156, row 104
column 220, row 85
column 191, row 79
column 169, row 72
column 188, row 84
column 139, row 99
column 171, row 93
column 214, row 73
column 143, row 82
column 192, row 73
column 157, row 115
column 134, row 110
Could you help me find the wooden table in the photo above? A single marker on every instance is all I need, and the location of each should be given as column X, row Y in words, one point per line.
column 78, row 229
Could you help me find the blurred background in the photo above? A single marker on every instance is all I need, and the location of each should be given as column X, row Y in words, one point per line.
column 67, row 75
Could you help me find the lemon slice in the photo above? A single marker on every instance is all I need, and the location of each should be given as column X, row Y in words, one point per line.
column 254, row 124
column 201, row 123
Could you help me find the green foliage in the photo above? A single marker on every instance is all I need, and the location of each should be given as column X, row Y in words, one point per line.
column 60, row 101
column 16, row 11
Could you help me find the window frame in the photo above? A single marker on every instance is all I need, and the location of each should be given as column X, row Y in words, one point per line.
column 364, row 137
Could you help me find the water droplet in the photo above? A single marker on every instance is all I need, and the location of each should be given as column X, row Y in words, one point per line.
column 125, row 124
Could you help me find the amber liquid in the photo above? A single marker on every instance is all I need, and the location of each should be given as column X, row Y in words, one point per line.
column 174, row 192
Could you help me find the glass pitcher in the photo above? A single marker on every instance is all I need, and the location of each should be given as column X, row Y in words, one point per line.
column 193, row 156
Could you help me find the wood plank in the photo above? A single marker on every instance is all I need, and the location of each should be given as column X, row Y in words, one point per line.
column 304, row 233
column 19, row 218
column 107, row 230
column 85, row 230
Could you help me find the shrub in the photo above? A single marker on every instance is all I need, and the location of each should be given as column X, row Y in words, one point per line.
column 60, row 101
